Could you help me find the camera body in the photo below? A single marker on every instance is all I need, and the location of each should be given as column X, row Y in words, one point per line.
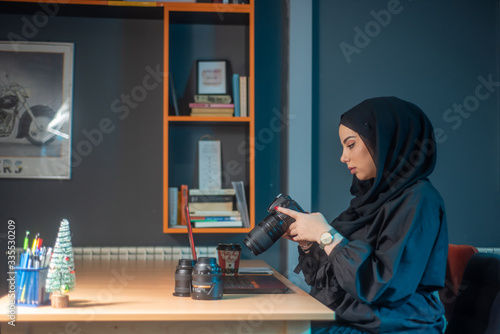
column 271, row 228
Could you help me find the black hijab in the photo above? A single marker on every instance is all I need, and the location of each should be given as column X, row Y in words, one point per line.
column 400, row 139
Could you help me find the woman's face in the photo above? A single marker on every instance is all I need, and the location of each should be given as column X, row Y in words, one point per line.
column 355, row 154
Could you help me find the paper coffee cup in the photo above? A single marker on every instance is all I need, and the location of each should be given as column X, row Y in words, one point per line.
column 229, row 258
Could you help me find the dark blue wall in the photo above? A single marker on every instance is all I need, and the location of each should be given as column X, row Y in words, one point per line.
column 269, row 104
column 436, row 54
column 115, row 196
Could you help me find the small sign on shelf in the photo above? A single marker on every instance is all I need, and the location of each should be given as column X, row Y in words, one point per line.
column 209, row 163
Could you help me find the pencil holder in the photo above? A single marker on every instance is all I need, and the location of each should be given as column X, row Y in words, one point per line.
column 30, row 286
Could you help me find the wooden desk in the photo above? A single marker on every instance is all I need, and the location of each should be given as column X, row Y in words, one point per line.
column 136, row 297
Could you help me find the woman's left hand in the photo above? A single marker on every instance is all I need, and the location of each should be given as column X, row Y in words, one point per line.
column 307, row 226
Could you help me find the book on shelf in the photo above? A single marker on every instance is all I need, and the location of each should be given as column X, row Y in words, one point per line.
column 243, row 96
column 236, row 94
column 214, row 224
column 211, row 206
column 211, row 200
column 214, row 218
column 203, row 98
column 211, row 105
column 204, row 213
column 224, row 218
column 173, row 196
column 210, row 115
column 213, row 110
column 183, row 201
column 214, row 191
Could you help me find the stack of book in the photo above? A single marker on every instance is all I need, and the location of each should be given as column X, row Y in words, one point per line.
column 211, row 109
column 216, row 219
column 213, row 208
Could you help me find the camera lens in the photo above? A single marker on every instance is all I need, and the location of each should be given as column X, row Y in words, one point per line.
column 183, row 277
column 207, row 279
column 271, row 228
column 264, row 235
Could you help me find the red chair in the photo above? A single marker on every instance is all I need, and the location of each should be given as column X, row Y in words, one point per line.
column 458, row 256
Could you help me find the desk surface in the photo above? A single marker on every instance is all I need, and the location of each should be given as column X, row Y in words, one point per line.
column 142, row 291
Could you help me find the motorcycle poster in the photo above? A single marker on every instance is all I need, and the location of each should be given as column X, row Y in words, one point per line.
column 36, row 83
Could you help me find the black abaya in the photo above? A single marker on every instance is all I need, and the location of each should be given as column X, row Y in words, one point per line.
column 384, row 275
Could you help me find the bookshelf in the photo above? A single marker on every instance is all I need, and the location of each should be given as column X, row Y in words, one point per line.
column 228, row 32
column 220, row 31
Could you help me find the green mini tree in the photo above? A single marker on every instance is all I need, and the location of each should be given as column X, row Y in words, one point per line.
column 61, row 275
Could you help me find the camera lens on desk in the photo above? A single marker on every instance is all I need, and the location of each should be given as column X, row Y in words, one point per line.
column 183, row 277
column 207, row 279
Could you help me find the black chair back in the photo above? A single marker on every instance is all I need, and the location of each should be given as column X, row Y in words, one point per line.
column 477, row 308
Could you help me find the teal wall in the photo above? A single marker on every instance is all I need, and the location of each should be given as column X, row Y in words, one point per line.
column 436, row 54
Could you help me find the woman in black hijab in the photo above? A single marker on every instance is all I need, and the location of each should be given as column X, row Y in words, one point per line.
column 380, row 263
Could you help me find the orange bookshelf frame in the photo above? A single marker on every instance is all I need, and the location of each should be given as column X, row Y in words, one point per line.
column 174, row 6
column 167, row 119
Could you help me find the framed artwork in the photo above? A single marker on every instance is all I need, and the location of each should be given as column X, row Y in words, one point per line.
column 36, row 84
column 211, row 76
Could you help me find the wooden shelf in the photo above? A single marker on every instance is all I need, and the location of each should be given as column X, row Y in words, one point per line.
column 180, row 15
column 179, row 230
column 208, row 119
column 207, row 7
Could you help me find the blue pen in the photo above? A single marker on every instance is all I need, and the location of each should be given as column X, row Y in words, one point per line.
column 24, row 275
column 30, row 260
column 21, row 262
column 25, row 261
column 29, row 287
column 21, row 276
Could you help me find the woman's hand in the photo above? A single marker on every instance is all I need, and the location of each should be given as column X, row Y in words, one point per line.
column 306, row 228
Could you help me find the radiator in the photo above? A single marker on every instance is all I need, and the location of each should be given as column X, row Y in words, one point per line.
column 492, row 250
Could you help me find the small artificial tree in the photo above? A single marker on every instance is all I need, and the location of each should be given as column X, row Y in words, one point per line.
column 61, row 275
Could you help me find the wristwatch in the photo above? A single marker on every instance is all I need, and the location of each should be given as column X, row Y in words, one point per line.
column 326, row 238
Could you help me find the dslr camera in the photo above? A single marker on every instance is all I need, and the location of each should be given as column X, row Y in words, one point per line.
column 271, row 228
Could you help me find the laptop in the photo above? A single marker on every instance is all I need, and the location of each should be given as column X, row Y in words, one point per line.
column 243, row 283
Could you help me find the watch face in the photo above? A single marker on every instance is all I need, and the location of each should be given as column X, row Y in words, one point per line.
column 326, row 238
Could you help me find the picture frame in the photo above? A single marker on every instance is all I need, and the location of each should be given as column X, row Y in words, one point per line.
column 211, row 77
column 36, row 88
